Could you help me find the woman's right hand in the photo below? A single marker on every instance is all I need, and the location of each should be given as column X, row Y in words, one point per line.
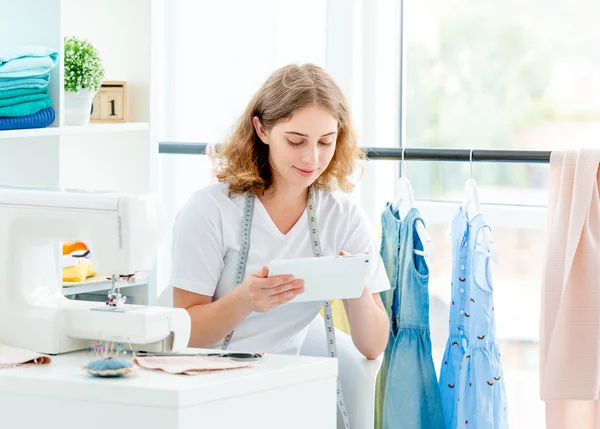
column 263, row 293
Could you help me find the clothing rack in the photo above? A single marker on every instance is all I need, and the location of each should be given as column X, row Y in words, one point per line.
column 396, row 153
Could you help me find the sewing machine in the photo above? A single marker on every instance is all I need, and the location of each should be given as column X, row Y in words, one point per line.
column 120, row 232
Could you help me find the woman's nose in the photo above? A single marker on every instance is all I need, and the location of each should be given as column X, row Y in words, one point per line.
column 310, row 156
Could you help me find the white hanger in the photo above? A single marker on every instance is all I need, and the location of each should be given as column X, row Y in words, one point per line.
column 405, row 202
column 471, row 206
column 471, row 201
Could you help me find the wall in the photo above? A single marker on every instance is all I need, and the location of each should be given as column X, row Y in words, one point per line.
column 209, row 81
column 216, row 65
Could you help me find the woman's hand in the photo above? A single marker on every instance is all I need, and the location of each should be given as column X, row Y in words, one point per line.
column 213, row 319
column 263, row 293
column 369, row 323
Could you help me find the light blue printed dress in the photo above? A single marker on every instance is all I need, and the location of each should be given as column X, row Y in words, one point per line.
column 408, row 381
column 471, row 380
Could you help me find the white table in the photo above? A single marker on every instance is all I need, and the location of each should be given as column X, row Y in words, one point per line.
column 291, row 392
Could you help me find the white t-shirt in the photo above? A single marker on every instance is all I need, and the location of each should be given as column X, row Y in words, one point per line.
column 206, row 242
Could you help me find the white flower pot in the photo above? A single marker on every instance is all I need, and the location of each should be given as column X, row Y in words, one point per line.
column 78, row 106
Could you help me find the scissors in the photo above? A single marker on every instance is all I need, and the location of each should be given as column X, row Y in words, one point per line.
column 239, row 356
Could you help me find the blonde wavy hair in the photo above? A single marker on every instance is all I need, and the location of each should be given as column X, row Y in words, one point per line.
column 243, row 161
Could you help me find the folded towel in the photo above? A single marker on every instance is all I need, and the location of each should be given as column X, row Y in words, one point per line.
column 69, row 247
column 79, row 272
column 41, row 119
column 19, row 99
column 10, row 93
column 27, row 61
column 24, row 109
column 39, row 81
column 45, row 76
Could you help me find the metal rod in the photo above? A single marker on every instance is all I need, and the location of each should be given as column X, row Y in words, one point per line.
column 464, row 155
column 395, row 153
column 182, row 148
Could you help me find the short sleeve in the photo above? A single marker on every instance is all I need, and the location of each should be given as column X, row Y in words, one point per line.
column 197, row 250
column 360, row 239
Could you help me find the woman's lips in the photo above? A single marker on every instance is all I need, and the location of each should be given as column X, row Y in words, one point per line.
column 305, row 173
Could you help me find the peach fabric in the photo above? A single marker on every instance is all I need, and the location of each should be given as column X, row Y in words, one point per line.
column 12, row 356
column 189, row 365
column 570, row 310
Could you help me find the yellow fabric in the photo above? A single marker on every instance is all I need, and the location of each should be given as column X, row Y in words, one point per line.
column 340, row 320
column 79, row 272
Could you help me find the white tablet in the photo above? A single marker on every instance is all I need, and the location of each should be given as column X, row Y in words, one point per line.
column 326, row 278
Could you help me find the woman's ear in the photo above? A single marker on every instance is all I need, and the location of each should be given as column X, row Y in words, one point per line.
column 260, row 130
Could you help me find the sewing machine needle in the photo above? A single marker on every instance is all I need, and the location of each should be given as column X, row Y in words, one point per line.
column 113, row 282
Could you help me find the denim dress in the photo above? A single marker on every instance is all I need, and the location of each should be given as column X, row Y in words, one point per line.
column 407, row 394
column 471, row 379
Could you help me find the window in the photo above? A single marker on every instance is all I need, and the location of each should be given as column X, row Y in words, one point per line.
column 502, row 75
column 498, row 75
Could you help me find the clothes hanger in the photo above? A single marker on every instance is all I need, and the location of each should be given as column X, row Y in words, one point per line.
column 406, row 199
column 405, row 202
column 471, row 201
column 471, row 206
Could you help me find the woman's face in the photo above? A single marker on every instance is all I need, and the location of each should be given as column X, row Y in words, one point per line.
column 301, row 148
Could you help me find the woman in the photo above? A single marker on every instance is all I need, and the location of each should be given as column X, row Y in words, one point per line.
column 295, row 139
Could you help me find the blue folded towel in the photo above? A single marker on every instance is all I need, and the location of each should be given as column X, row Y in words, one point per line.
column 44, row 76
column 12, row 93
column 25, row 98
column 23, row 61
column 26, row 108
column 40, row 81
column 41, row 119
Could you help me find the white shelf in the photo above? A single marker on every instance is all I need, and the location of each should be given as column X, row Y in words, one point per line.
column 94, row 285
column 92, row 128
column 119, row 157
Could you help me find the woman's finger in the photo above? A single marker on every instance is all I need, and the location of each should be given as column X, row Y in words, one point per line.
column 298, row 283
column 287, row 295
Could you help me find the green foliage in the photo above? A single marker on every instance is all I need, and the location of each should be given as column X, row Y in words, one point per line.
column 83, row 65
column 480, row 74
column 482, row 83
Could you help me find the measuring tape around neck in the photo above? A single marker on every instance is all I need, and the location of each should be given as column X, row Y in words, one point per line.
column 317, row 252
column 240, row 269
column 328, row 316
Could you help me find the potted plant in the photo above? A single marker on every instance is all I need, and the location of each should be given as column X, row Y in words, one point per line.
column 83, row 76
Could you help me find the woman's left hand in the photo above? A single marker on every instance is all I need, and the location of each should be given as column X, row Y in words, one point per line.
column 368, row 319
column 366, row 285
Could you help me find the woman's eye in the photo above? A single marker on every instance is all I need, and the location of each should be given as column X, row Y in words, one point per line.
column 294, row 143
column 326, row 142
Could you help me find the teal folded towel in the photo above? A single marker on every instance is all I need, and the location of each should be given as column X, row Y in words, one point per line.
column 44, row 76
column 24, row 109
column 40, row 81
column 20, row 99
column 24, row 61
column 10, row 93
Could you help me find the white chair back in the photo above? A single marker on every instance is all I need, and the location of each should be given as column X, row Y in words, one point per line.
column 358, row 374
